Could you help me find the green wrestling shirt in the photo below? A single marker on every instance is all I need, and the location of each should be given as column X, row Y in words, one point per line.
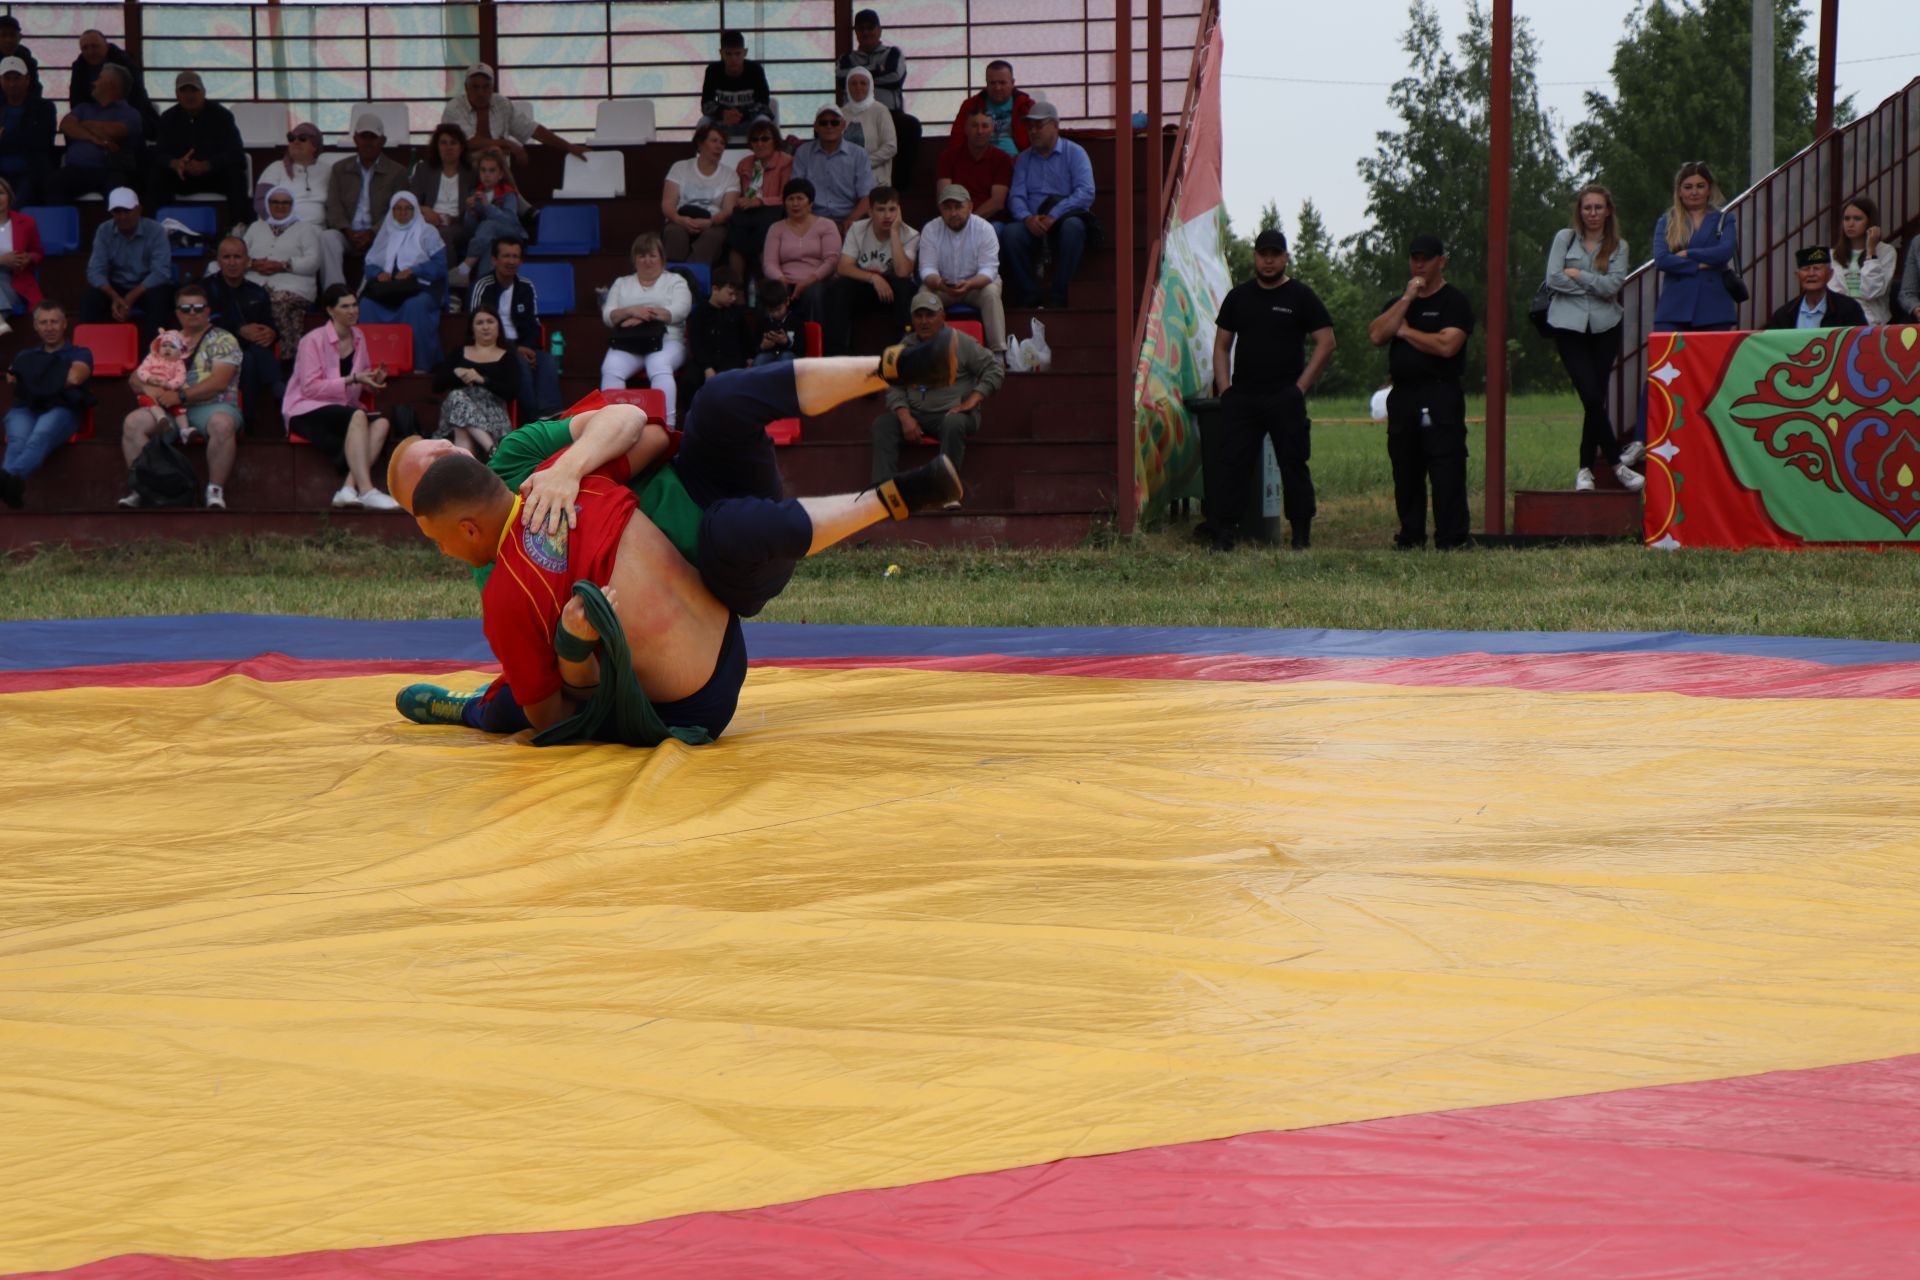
column 663, row 499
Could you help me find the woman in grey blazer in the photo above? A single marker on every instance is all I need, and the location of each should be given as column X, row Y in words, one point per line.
column 441, row 181
column 1586, row 269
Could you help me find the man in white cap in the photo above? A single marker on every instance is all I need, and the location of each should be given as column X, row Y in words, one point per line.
column 199, row 151
column 490, row 119
column 26, row 133
column 104, row 137
column 360, row 189
column 838, row 170
column 960, row 262
column 130, row 270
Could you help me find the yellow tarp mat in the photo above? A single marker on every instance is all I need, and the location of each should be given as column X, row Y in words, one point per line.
column 279, row 973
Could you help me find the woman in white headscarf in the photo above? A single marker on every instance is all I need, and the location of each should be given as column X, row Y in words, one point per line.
column 406, row 277
column 870, row 126
column 284, row 253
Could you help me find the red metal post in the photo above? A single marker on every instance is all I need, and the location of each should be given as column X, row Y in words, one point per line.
column 1156, row 130
column 489, row 40
column 1499, row 156
column 1125, row 294
column 1823, row 93
column 843, row 33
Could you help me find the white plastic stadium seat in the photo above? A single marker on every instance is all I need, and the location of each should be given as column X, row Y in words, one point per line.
column 623, row 122
column 392, row 114
column 262, row 124
column 598, row 175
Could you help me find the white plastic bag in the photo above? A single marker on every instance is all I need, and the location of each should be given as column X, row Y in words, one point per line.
column 1030, row 355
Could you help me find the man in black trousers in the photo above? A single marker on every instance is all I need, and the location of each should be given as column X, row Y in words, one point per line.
column 1425, row 332
column 1263, row 326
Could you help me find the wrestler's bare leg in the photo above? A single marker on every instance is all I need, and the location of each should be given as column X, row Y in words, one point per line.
column 824, row 382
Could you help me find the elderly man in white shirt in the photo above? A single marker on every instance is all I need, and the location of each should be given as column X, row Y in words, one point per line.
column 960, row 262
column 491, row 120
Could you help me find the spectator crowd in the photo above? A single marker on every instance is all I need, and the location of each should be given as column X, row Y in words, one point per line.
column 775, row 251
column 768, row 247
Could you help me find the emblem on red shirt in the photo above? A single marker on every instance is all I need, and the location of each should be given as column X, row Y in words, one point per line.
column 548, row 550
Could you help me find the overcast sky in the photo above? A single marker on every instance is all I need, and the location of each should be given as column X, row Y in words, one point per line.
column 1299, row 133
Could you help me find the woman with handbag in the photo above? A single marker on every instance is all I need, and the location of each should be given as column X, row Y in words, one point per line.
column 1864, row 264
column 1586, row 269
column 406, row 277
column 1696, row 246
column 329, row 400
column 646, row 313
column 763, row 176
column 697, row 201
column 478, row 382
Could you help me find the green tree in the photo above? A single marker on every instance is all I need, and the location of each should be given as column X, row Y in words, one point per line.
column 1431, row 176
column 1680, row 93
column 1316, row 261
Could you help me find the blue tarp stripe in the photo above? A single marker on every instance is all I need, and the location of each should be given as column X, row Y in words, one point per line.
column 33, row 646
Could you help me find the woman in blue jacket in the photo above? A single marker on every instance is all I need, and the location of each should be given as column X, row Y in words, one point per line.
column 1694, row 245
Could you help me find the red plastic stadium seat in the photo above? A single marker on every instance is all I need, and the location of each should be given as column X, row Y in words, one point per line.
column 972, row 328
column 115, row 347
column 816, row 339
column 390, row 345
column 654, row 402
column 784, row 431
column 86, row 428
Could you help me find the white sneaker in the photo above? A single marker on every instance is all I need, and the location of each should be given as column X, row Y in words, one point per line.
column 5, row 328
column 131, row 502
column 347, row 496
column 1583, row 481
column 374, row 500
column 1632, row 454
column 216, row 497
column 1632, row 479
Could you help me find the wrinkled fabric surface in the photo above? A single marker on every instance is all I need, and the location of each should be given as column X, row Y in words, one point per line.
column 282, row 973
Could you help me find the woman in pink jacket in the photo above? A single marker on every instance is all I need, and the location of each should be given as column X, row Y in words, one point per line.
column 329, row 399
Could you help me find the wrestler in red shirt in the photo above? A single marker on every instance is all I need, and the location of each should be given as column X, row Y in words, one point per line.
column 534, row 573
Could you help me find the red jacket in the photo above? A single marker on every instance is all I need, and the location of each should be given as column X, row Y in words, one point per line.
column 1021, row 105
column 26, row 239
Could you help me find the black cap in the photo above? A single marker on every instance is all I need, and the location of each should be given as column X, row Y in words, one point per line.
column 732, row 40
column 8, row 22
column 1814, row 255
column 1426, row 247
column 866, row 18
column 1270, row 241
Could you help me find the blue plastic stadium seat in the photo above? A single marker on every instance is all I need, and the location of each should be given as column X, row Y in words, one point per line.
column 552, row 285
column 59, row 228
column 702, row 277
column 568, row 230
column 200, row 217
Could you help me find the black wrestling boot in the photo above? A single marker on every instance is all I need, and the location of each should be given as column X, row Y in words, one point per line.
column 936, row 484
column 929, row 364
column 1302, row 534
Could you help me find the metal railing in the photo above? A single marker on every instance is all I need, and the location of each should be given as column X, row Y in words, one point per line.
column 569, row 55
column 1797, row 204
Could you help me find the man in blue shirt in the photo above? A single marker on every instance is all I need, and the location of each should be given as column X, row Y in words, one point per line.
column 1051, row 201
column 104, row 138
column 1817, row 307
column 130, row 269
column 838, row 170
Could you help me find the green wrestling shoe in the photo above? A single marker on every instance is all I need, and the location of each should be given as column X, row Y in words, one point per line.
column 431, row 704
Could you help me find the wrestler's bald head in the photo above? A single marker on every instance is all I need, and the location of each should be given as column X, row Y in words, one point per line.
column 410, row 460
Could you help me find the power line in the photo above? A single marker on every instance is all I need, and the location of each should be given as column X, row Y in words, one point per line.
column 1544, row 84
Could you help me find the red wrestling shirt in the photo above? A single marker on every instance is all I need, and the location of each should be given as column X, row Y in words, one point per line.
column 534, row 573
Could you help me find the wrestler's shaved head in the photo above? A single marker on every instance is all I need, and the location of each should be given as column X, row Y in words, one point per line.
column 457, row 484
column 410, row 460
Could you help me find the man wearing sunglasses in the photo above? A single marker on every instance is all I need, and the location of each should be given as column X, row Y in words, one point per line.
column 304, row 171
column 210, row 396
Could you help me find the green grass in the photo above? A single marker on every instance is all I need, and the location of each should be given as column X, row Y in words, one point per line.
column 1157, row 578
